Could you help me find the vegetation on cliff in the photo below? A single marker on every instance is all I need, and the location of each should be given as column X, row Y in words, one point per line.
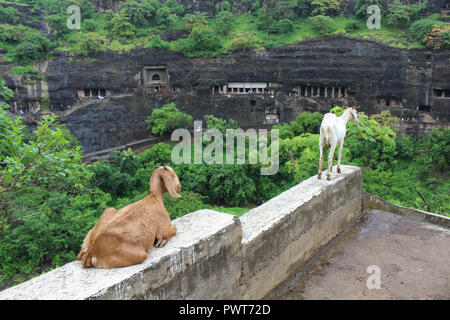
column 226, row 27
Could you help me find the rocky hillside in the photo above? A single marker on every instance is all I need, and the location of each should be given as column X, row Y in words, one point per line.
column 132, row 77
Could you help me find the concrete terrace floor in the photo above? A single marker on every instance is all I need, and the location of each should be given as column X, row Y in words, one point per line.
column 413, row 257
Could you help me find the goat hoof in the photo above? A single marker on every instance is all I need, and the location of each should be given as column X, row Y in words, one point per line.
column 328, row 177
column 319, row 176
column 161, row 243
column 338, row 170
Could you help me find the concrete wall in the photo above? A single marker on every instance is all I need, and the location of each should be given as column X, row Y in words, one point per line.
column 219, row 256
column 371, row 201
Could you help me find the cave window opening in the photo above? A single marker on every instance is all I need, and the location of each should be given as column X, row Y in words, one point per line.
column 103, row 92
column 424, row 108
column 156, row 77
column 447, row 93
column 388, row 102
column 94, row 92
column 252, row 102
column 87, row 92
column 438, row 93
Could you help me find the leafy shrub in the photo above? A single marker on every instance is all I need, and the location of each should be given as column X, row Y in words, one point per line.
column 264, row 18
column 370, row 144
column 420, row 28
column 400, row 15
column 224, row 22
column 9, row 33
column 167, row 119
column 189, row 202
column 282, row 26
column 88, row 43
column 197, row 19
column 58, row 24
column 157, row 43
column 139, row 13
column 9, row 14
column 204, row 39
column 307, row 122
column 244, row 40
column 44, row 160
column 326, row 7
column 53, row 239
column 220, row 124
column 323, row 25
column 352, row 26
column 126, row 161
column 436, row 149
column 33, row 46
column 405, row 147
column 110, row 180
column 385, row 119
column 159, row 154
column 360, row 8
column 121, row 27
column 89, row 25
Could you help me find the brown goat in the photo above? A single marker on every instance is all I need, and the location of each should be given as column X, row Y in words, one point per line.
column 123, row 238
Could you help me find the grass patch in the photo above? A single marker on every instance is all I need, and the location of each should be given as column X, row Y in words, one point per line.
column 231, row 210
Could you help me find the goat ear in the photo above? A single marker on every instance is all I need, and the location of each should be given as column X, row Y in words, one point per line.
column 170, row 184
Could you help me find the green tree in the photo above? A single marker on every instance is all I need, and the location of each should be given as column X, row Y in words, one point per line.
column 139, row 13
column 224, row 22
column 401, row 16
column 45, row 161
column 88, row 43
column 33, row 46
column 385, row 119
column 352, row 26
column 323, row 25
column 307, row 122
column 360, row 8
column 157, row 43
column 204, row 39
column 9, row 14
column 197, row 19
column 435, row 151
column 244, row 40
column 121, row 27
column 9, row 33
column 282, row 26
column 264, row 18
column 167, row 119
column 326, row 7
column 220, row 124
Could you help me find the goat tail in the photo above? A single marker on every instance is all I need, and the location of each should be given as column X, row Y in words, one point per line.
column 326, row 135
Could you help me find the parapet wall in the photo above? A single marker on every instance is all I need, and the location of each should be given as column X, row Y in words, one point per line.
column 219, row 256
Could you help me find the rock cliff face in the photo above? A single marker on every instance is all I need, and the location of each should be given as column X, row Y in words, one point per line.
column 306, row 76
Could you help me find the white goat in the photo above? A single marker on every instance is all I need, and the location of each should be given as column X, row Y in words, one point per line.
column 332, row 131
